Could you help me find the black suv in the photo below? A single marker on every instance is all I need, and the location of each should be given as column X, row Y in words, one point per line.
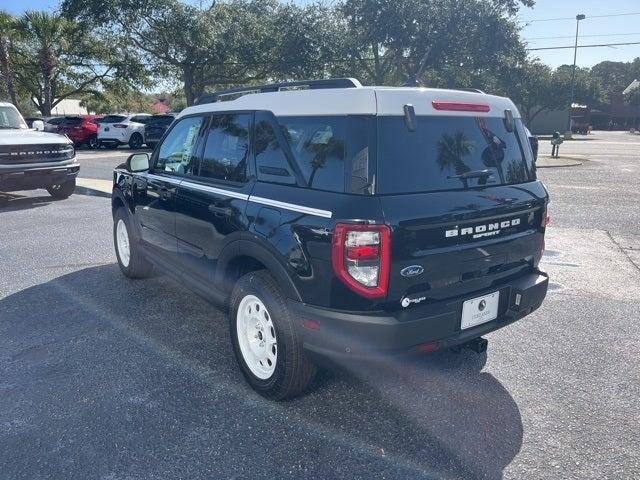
column 337, row 221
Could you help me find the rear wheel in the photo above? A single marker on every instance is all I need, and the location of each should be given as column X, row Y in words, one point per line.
column 62, row 190
column 265, row 340
column 135, row 141
column 130, row 258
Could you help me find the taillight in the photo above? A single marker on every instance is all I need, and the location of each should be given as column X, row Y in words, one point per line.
column 119, row 125
column 361, row 256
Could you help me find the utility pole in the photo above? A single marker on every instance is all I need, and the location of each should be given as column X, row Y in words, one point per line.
column 573, row 72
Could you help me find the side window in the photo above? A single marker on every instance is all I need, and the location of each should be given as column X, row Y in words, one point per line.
column 227, row 148
column 318, row 144
column 176, row 153
column 140, row 119
column 271, row 162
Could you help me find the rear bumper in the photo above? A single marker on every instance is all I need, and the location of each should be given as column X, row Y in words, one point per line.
column 362, row 335
column 36, row 175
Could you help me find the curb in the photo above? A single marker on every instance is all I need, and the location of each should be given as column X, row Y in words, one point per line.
column 94, row 187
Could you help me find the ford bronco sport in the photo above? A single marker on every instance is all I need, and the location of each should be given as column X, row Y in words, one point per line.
column 337, row 221
column 32, row 159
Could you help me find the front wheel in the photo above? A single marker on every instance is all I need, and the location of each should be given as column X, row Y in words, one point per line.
column 62, row 190
column 265, row 340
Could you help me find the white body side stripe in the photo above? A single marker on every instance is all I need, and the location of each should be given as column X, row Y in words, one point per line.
column 243, row 196
column 292, row 206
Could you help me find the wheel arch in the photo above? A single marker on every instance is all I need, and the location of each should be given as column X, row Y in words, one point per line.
column 244, row 256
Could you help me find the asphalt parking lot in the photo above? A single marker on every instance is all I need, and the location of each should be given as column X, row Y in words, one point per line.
column 105, row 377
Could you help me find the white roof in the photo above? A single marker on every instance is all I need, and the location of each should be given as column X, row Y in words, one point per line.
column 359, row 101
column 632, row 86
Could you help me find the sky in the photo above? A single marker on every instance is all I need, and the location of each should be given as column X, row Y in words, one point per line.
column 535, row 24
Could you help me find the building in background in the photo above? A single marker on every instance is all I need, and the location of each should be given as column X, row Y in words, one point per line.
column 69, row 106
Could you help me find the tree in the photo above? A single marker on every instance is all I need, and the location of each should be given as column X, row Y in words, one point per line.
column 536, row 88
column 8, row 33
column 57, row 59
column 221, row 44
column 411, row 40
column 616, row 76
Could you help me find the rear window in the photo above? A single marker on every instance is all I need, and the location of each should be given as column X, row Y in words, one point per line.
column 443, row 153
column 113, row 119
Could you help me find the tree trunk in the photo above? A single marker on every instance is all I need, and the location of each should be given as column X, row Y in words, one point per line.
column 187, row 76
column 7, row 73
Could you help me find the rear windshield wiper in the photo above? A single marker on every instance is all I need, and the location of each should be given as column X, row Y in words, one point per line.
column 473, row 174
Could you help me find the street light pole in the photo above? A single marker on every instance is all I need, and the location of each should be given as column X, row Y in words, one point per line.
column 573, row 72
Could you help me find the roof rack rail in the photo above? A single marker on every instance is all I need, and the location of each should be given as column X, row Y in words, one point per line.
column 232, row 94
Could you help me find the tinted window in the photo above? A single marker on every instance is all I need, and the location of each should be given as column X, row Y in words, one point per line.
column 271, row 161
column 113, row 119
column 226, row 148
column 164, row 120
column 176, row 153
column 56, row 120
column 72, row 121
column 442, row 150
column 318, row 145
column 140, row 118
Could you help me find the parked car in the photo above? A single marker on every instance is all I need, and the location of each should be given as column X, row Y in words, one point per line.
column 51, row 124
column 29, row 120
column 116, row 130
column 339, row 221
column 155, row 128
column 32, row 159
column 82, row 130
column 533, row 141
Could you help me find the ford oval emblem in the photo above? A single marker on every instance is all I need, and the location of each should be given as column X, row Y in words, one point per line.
column 412, row 271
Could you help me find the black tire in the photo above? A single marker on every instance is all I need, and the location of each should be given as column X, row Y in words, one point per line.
column 138, row 266
column 62, row 190
column 293, row 371
column 152, row 145
column 93, row 143
column 135, row 141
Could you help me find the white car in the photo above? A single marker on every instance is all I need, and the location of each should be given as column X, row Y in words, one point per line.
column 116, row 130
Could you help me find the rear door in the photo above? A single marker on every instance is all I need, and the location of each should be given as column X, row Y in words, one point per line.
column 155, row 202
column 211, row 202
column 455, row 230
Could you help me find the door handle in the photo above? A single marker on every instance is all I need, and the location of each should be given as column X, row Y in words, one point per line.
column 213, row 208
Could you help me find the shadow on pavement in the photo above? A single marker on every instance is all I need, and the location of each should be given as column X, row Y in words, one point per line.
column 101, row 376
column 12, row 202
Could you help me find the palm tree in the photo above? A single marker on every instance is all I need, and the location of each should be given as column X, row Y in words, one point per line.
column 451, row 150
column 46, row 33
column 8, row 31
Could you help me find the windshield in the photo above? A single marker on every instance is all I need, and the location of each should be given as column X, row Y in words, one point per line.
column 450, row 153
column 10, row 118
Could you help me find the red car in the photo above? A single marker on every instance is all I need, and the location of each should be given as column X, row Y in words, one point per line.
column 82, row 130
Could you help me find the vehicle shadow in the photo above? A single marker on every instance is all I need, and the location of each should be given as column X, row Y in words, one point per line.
column 12, row 202
column 104, row 369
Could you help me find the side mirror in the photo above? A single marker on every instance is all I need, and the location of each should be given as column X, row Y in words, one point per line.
column 38, row 125
column 138, row 162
